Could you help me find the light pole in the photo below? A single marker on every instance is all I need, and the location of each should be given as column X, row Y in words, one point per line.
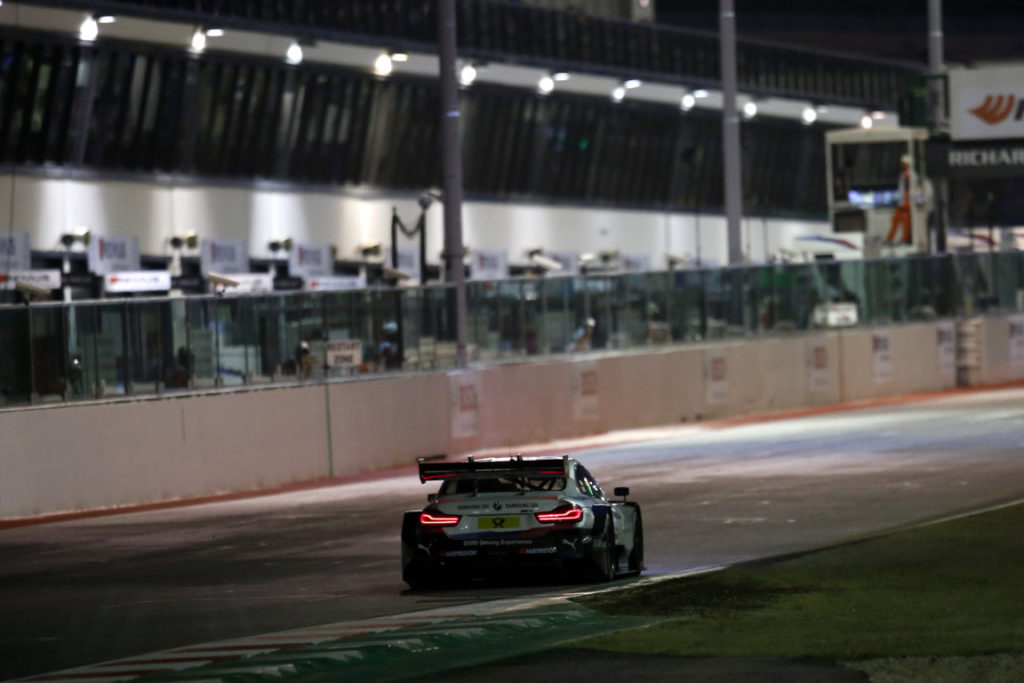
column 451, row 172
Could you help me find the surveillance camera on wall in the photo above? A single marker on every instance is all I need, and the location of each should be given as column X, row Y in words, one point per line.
column 31, row 291
column 427, row 198
column 545, row 262
column 221, row 280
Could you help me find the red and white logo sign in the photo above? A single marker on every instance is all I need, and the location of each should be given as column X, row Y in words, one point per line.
column 995, row 109
column 986, row 104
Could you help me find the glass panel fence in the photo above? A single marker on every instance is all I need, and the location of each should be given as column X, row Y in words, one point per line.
column 96, row 349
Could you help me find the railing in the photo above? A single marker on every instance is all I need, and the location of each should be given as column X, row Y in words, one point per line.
column 495, row 29
column 103, row 349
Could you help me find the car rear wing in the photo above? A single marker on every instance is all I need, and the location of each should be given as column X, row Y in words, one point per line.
column 539, row 468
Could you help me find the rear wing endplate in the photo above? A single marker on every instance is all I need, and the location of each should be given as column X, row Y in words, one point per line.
column 489, row 469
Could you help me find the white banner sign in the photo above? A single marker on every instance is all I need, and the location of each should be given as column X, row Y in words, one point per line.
column 585, row 391
column 408, row 263
column 818, row 375
column 310, row 260
column 488, row 264
column 224, row 256
column 47, row 279
column 1016, row 340
column 334, row 283
column 881, row 350
column 986, row 104
column 113, row 254
column 345, row 353
column 250, row 283
column 137, row 281
column 465, row 404
column 716, row 377
column 15, row 252
column 945, row 347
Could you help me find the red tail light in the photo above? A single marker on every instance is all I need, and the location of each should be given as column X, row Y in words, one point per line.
column 432, row 519
column 562, row 514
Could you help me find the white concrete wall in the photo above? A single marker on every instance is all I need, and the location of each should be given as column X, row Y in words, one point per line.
column 77, row 457
column 48, row 207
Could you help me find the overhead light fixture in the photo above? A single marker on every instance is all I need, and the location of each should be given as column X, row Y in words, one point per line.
column 294, row 54
column 105, row 18
column 878, row 115
column 215, row 32
column 399, row 56
column 866, row 121
column 89, row 30
column 700, row 93
column 809, row 115
column 546, row 84
column 383, row 66
column 560, row 76
column 687, row 102
column 618, row 94
column 467, row 74
column 632, row 83
column 750, row 110
column 198, row 41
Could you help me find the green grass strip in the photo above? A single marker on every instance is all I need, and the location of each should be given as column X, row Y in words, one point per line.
column 949, row 589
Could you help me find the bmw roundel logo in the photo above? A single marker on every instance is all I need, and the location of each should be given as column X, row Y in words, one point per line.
column 496, row 505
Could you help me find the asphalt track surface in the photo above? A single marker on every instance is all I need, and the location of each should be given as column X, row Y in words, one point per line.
column 92, row 589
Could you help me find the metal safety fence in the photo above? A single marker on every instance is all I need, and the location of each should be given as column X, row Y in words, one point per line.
column 56, row 352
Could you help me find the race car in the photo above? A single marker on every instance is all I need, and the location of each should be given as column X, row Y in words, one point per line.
column 499, row 514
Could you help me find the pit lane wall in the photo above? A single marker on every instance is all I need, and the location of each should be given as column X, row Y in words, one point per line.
column 88, row 456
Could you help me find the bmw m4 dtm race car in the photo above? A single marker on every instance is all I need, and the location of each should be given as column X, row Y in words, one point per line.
column 497, row 514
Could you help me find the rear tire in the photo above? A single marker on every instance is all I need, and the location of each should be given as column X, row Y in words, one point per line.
column 419, row 576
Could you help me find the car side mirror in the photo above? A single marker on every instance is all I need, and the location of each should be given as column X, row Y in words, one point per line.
column 622, row 491
column 431, row 497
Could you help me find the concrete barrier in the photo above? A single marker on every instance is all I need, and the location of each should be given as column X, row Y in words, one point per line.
column 87, row 456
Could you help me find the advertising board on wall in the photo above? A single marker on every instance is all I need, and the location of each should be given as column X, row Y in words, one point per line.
column 716, row 377
column 127, row 281
column 15, row 251
column 817, row 367
column 334, row 283
column 465, row 403
column 585, row 391
column 224, row 256
column 881, row 350
column 945, row 346
column 310, row 260
column 408, row 263
column 1016, row 340
column 986, row 104
column 113, row 254
column 46, row 279
column 488, row 264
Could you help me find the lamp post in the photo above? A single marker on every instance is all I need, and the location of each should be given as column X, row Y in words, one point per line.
column 451, row 172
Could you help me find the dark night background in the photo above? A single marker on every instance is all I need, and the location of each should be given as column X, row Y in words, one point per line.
column 975, row 30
